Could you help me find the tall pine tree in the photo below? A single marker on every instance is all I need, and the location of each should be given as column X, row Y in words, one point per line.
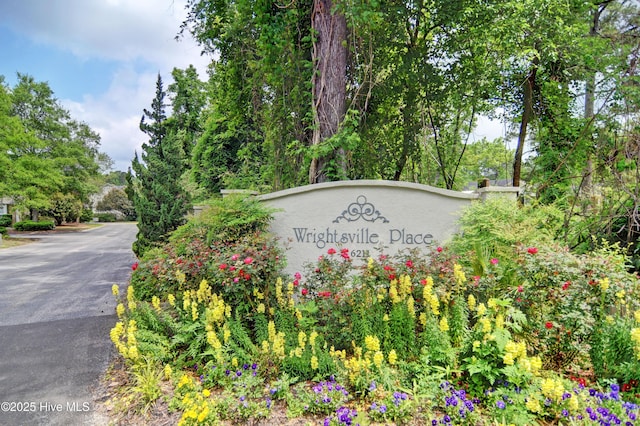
column 159, row 200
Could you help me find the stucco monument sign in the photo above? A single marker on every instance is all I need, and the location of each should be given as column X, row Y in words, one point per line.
column 367, row 217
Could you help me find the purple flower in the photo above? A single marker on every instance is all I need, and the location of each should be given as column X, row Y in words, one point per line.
column 254, row 366
column 372, row 386
column 500, row 404
column 383, row 409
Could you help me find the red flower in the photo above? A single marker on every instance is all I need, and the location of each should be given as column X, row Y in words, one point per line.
column 409, row 264
column 222, row 266
column 304, row 292
column 439, row 249
column 134, row 266
column 325, row 294
column 566, row 285
column 331, row 251
column 296, row 283
column 423, row 281
column 626, row 387
column 520, row 289
column 532, row 250
column 345, row 255
column 548, row 324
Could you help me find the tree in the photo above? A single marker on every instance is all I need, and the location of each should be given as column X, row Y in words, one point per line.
column 160, row 202
column 329, row 89
column 117, row 199
column 49, row 151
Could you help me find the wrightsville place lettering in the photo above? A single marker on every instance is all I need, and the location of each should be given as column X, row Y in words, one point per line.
column 365, row 236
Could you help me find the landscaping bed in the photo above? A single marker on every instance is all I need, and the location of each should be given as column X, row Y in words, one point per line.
column 494, row 328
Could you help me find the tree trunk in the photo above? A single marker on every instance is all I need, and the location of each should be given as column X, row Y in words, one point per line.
column 527, row 114
column 329, row 86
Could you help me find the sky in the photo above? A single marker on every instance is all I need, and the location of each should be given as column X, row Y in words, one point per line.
column 101, row 58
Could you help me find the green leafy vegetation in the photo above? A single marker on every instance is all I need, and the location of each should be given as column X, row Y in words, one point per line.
column 540, row 334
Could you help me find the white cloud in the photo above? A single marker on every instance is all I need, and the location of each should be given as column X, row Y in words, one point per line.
column 111, row 30
column 139, row 36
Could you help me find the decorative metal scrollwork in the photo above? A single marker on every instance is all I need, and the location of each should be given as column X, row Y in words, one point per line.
column 361, row 209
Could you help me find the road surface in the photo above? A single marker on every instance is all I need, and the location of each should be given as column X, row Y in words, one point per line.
column 56, row 310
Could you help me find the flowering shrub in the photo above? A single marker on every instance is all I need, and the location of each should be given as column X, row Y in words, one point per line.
column 544, row 335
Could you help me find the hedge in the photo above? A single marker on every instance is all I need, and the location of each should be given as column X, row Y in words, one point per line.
column 29, row 225
column 5, row 220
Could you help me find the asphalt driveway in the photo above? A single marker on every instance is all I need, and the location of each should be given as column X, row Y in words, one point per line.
column 56, row 310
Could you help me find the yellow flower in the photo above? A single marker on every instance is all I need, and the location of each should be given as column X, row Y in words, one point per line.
column 378, row 357
column 481, row 309
column 471, row 301
column 604, row 284
column 302, row 339
column 410, row 307
column 370, row 263
column 444, row 324
column 372, row 343
column 393, row 357
column 314, row 362
column 155, row 302
column 508, row 358
column 459, row 275
column 636, row 316
column 206, row 393
column 167, row 371
column 234, row 362
column 476, row 344
column 499, row 321
column 620, row 294
column 260, row 309
column 171, row 299
column 533, row 405
column 120, row 310
column 115, row 290
column 312, row 338
column 609, row 319
column 423, row 319
column 385, row 317
column 491, row 303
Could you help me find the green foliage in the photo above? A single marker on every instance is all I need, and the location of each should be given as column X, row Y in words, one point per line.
column 45, row 155
column 64, row 208
column 493, row 228
column 6, row 220
column 29, row 225
column 160, row 204
column 116, row 199
column 105, row 217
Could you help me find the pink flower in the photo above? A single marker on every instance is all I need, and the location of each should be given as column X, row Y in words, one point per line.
column 248, row 260
column 494, row 261
column 520, row 289
column 236, row 279
column 409, row 264
column 345, row 254
column 296, row 283
column 331, row 251
column 532, row 250
column 566, row 285
column 223, row 266
column 297, row 275
column 304, row 291
column 234, row 257
column 439, row 249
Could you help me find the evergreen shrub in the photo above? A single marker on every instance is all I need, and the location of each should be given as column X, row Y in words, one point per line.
column 29, row 225
column 5, row 220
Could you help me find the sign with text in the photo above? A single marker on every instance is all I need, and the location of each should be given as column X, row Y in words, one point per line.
column 366, row 217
